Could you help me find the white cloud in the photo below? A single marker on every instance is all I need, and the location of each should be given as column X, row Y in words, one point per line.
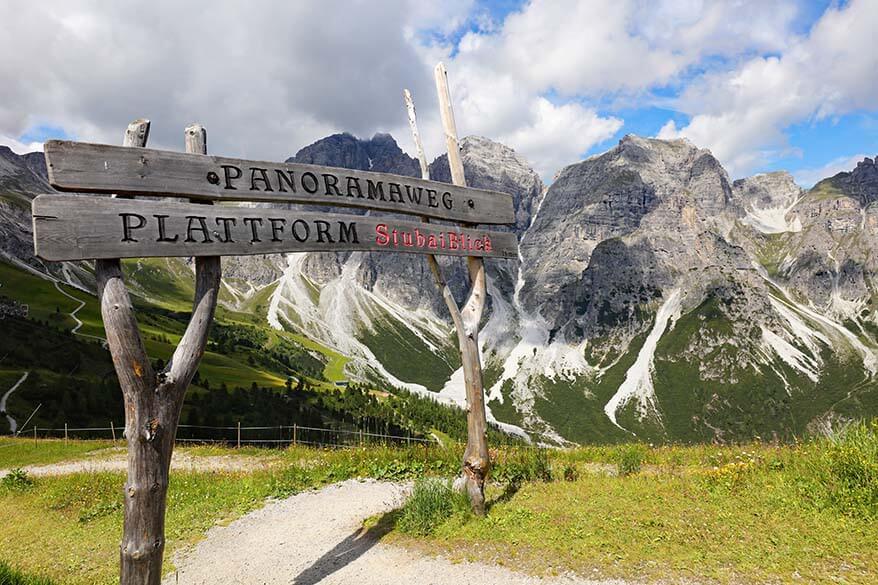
column 265, row 79
column 808, row 177
column 20, row 147
column 500, row 78
column 269, row 78
column 558, row 135
column 741, row 115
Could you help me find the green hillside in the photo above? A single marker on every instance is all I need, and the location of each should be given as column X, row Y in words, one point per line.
column 250, row 372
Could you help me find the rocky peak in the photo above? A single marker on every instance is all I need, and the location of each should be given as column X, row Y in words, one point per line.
column 767, row 190
column 666, row 191
column 23, row 174
column 491, row 165
column 862, row 182
column 381, row 153
column 388, row 157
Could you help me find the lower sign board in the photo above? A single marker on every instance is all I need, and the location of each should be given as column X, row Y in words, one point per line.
column 69, row 227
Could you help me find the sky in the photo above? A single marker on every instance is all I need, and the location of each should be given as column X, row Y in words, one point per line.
column 764, row 84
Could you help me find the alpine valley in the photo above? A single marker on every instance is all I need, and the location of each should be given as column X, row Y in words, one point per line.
column 652, row 297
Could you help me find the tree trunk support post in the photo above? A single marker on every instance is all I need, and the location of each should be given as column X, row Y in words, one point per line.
column 476, row 459
column 153, row 400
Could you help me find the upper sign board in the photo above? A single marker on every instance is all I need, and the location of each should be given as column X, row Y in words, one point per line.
column 98, row 168
column 68, row 227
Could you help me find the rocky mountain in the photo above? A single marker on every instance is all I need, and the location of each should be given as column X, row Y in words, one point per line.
column 653, row 296
column 22, row 177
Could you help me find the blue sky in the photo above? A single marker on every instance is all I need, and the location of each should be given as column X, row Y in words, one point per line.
column 765, row 84
column 811, row 145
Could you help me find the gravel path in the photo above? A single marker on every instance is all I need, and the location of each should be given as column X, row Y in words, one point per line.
column 316, row 537
column 180, row 462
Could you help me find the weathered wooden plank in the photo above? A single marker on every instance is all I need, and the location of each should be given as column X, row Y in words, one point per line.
column 99, row 168
column 68, row 227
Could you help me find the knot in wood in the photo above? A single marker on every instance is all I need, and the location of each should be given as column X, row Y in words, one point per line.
column 152, row 429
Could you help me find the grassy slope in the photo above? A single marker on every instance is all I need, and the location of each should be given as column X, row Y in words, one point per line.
column 254, row 310
column 744, row 402
column 747, row 514
column 160, row 332
column 751, row 513
column 68, row 527
column 575, row 407
column 667, row 527
column 406, row 357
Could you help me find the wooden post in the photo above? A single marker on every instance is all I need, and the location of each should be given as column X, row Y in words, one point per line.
column 295, row 428
column 239, row 434
column 476, row 462
column 113, row 431
column 35, row 435
column 153, row 400
column 65, row 434
column 476, row 459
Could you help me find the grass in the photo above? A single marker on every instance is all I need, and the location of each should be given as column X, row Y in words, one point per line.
column 433, row 501
column 68, row 527
column 754, row 513
column 19, row 452
column 407, row 357
column 805, row 513
column 10, row 576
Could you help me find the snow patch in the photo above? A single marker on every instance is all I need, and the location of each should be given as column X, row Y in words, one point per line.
column 773, row 220
column 454, row 392
column 789, row 308
column 638, row 379
column 796, row 359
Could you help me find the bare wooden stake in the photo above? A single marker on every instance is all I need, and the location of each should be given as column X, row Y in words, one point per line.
column 65, row 434
column 153, row 400
column 113, row 432
column 239, row 434
column 476, row 459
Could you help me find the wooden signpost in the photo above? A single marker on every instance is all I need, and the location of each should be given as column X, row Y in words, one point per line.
column 79, row 227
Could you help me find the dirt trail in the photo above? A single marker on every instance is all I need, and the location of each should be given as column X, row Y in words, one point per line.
column 316, row 537
column 13, row 424
column 73, row 313
column 181, row 462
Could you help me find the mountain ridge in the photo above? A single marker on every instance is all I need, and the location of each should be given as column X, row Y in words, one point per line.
column 653, row 295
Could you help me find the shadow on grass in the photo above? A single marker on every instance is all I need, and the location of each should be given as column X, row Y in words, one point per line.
column 508, row 493
column 348, row 550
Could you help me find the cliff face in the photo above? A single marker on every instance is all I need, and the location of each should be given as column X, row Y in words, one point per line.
column 652, row 295
column 22, row 177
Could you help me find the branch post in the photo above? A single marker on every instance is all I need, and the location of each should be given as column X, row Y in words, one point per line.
column 153, row 400
column 476, row 459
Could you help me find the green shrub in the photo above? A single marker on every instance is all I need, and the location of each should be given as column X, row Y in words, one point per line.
column 570, row 472
column 848, row 470
column 9, row 576
column 433, row 501
column 17, row 479
column 530, row 464
column 629, row 459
